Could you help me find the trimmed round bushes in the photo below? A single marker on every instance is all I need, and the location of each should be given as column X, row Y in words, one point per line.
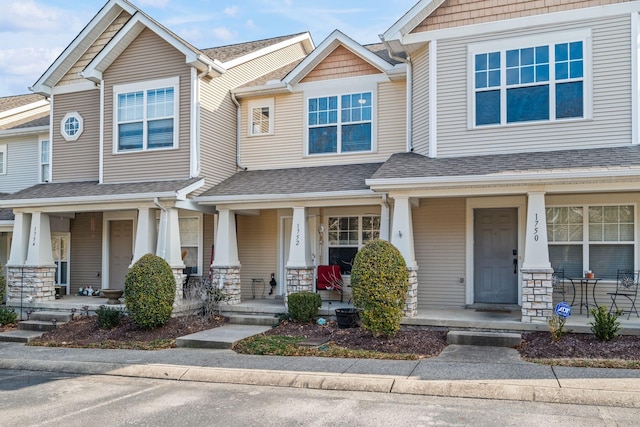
column 379, row 284
column 149, row 292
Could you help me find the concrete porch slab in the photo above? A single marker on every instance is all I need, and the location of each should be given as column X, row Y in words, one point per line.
column 223, row 337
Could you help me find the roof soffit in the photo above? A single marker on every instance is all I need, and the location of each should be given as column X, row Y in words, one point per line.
column 418, row 13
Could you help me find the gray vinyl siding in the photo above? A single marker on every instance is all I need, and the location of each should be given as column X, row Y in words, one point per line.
column 611, row 124
column 218, row 113
column 22, row 163
column 76, row 160
column 285, row 147
column 86, row 251
column 148, row 58
column 257, row 250
column 420, row 101
column 439, row 237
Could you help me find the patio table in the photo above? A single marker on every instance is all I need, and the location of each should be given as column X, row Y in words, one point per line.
column 584, row 283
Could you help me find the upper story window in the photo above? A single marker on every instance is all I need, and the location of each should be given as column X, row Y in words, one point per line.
column 261, row 117
column 45, row 160
column 530, row 80
column 340, row 124
column 3, row 159
column 71, row 126
column 146, row 115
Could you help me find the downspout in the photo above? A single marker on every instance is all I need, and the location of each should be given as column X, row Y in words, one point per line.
column 238, row 128
column 407, row 61
column 162, row 236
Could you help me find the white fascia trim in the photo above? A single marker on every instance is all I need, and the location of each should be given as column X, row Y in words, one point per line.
column 24, row 108
column 290, row 196
column 84, row 200
column 433, row 99
column 41, row 86
column 183, row 192
column 101, row 138
column 635, row 75
column 418, row 13
column 24, row 131
column 507, row 178
column 332, row 41
column 524, row 22
column 267, row 89
column 77, row 87
column 304, row 38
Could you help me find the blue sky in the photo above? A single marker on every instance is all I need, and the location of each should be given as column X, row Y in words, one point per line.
column 34, row 32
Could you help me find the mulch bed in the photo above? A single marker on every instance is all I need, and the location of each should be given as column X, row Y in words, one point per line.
column 539, row 345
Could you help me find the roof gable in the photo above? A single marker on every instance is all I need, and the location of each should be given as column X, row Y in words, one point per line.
column 418, row 13
column 341, row 62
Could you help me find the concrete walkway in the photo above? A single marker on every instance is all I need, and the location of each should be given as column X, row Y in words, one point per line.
column 459, row 371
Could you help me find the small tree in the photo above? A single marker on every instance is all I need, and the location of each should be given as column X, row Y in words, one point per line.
column 379, row 282
column 149, row 292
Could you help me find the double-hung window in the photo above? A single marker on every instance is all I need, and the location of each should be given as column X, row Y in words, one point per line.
column 340, row 124
column 45, row 160
column 146, row 115
column 3, row 159
column 597, row 238
column 347, row 234
column 261, row 117
column 530, row 80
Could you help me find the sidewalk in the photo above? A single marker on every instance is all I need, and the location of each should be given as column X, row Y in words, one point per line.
column 460, row 371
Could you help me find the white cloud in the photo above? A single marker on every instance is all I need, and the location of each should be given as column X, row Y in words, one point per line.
column 223, row 34
column 21, row 68
column 250, row 24
column 231, row 11
column 29, row 15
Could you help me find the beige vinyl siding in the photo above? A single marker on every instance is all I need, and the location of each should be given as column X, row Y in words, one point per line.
column 22, row 163
column 340, row 63
column 439, row 228
column 420, row 100
column 73, row 75
column 86, row 251
column 208, row 240
column 611, row 124
column 285, row 148
column 76, row 160
column 454, row 13
column 218, row 112
column 4, row 252
column 257, row 250
column 148, row 58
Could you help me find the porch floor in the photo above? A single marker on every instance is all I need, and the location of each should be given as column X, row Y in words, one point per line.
column 453, row 318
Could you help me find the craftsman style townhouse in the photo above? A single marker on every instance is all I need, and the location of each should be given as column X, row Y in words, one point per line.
column 492, row 142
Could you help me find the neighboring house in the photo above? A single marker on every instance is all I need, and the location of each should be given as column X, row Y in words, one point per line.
column 24, row 153
column 141, row 122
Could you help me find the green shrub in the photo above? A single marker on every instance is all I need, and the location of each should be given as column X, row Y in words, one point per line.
column 7, row 316
column 3, row 285
column 379, row 283
column 303, row 306
column 556, row 327
column 605, row 325
column 108, row 317
column 149, row 292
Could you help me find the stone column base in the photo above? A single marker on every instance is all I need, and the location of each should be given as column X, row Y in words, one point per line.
column 231, row 285
column 30, row 284
column 178, row 275
column 411, row 303
column 300, row 279
column 537, row 295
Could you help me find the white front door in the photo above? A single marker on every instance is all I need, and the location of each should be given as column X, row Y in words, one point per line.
column 60, row 248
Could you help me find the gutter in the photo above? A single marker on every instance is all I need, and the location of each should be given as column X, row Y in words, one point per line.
column 24, row 131
column 238, row 128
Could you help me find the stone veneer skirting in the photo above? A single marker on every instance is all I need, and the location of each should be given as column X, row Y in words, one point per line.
column 178, row 275
column 31, row 284
column 537, row 295
column 231, row 285
column 300, row 279
column 411, row 303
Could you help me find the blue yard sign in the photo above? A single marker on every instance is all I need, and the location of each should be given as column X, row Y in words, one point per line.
column 563, row 309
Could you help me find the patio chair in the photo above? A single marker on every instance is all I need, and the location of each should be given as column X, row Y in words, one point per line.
column 559, row 286
column 627, row 287
column 330, row 279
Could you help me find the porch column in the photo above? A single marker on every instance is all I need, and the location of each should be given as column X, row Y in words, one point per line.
column 226, row 265
column 384, row 219
column 299, row 265
column 146, row 234
column 168, row 247
column 402, row 238
column 537, row 288
column 31, row 273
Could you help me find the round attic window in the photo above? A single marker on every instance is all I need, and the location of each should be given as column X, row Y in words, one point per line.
column 71, row 126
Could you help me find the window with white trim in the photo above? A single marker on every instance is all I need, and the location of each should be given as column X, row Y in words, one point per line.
column 340, row 124
column 71, row 126
column 45, row 160
column 190, row 242
column 347, row 234
column 261, row 117
column 3, row 159
column 529, row 80
column 597, row 238
column 146, row 115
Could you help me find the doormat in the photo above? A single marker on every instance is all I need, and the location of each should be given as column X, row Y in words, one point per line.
column 493, row 310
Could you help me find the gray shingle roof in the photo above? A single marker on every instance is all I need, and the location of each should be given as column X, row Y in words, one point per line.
column 296, row 180
column 56, row 190
column 231, row 52
column 11, row 102
column 6, row 215
column 411, row 165
column 34, row 121
column 381, row 51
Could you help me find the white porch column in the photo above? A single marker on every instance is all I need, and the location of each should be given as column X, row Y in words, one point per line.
column 299, row 265
column 536, row 252
column 384, row 219
column 226, row 264
column 146, row 234
column 169, row 238
column 39, row 245
column 402, row 238
column 20, row 240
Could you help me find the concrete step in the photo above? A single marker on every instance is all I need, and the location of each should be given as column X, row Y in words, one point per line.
column 20, row 336
column 223, row 337
column 48, row 316
column 37, row 325
column 495, row 339
column 253, row 319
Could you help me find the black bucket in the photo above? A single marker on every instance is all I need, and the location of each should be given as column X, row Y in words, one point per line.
column 347, row 318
